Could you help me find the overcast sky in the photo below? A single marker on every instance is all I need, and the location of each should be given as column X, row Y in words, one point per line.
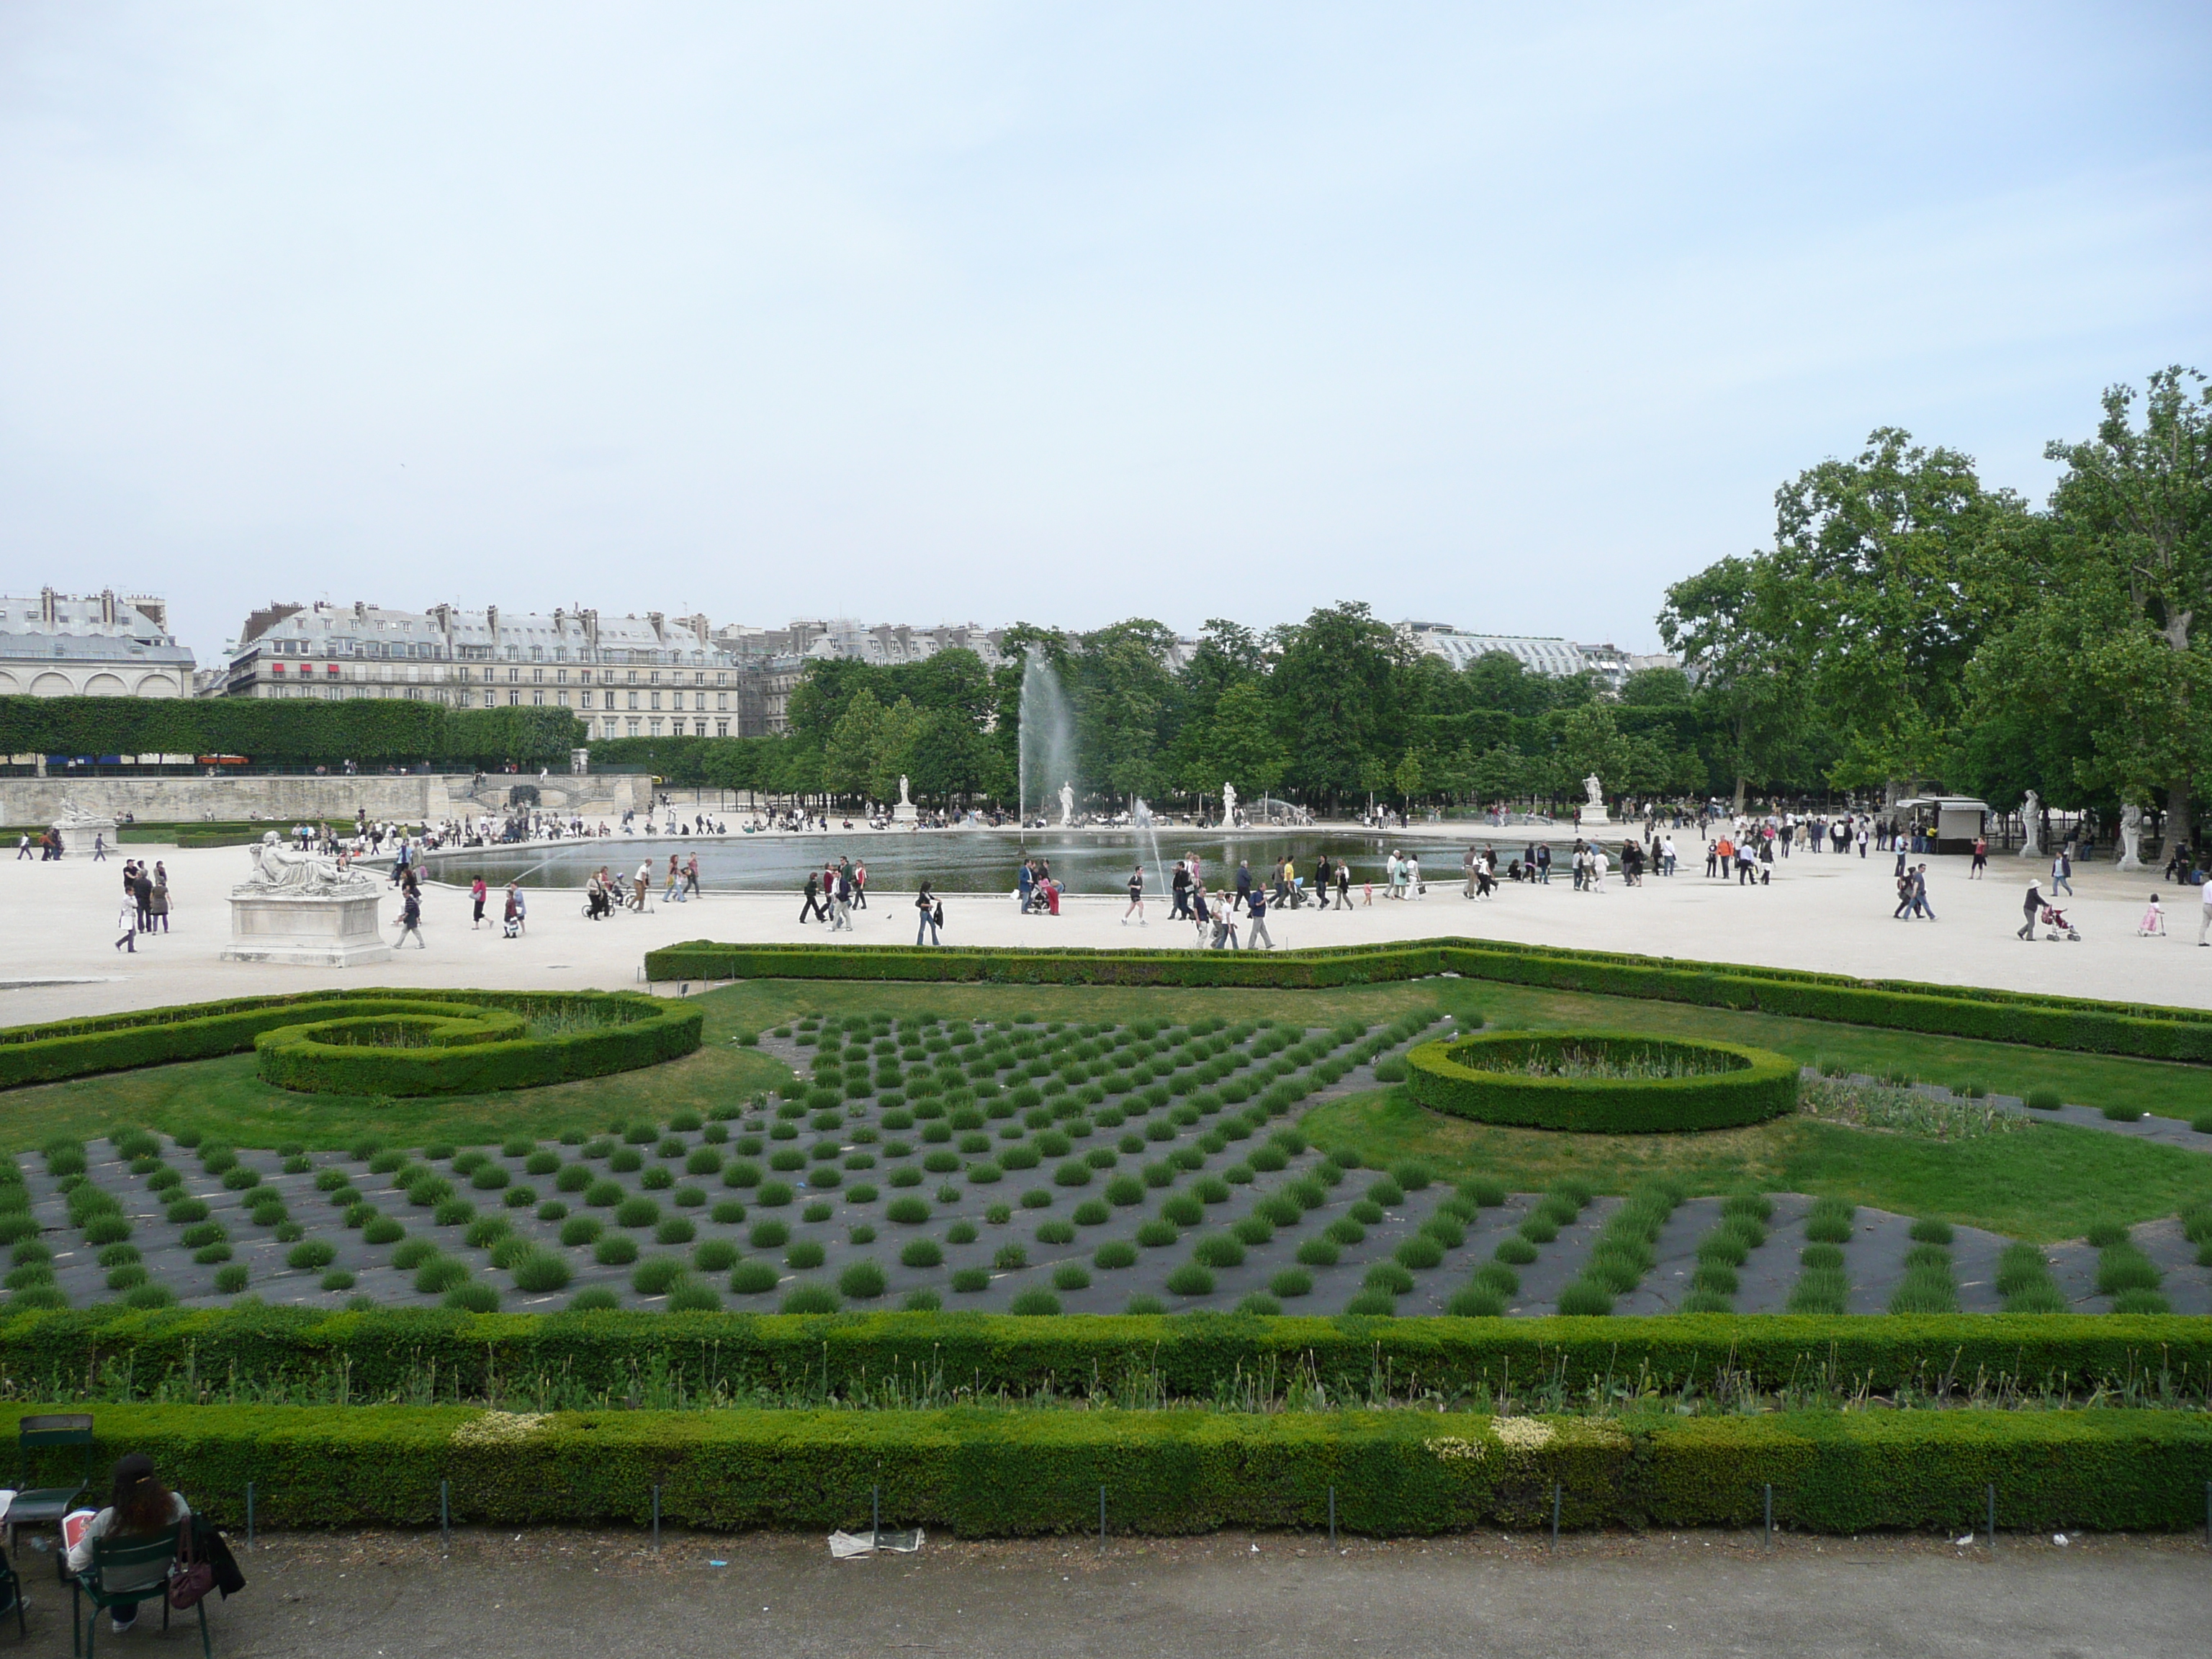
column 1501, row 316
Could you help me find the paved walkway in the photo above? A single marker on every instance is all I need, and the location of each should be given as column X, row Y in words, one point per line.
column 1824, row 913
column 548, row 1593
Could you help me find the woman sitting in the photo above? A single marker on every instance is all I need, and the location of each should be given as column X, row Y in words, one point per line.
column 139, row 1506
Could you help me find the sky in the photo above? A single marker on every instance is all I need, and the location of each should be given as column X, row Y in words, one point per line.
column 1503, row 316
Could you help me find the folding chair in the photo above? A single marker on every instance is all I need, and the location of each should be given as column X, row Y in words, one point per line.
column 127, row 1561
column 36, row 1505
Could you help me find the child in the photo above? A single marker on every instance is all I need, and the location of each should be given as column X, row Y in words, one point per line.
column 2153, row 921
column 1367, row 894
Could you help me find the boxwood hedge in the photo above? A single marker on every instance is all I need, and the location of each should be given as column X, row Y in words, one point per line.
column 381, row 1353
column 160, row 1036
column 983, row 1473
column 1746, row 1085
column 2146, row 1031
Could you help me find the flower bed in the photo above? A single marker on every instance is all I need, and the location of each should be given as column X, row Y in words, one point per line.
column 1600, row 1082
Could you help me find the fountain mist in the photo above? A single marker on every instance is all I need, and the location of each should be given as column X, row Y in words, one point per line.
column 1047, row 746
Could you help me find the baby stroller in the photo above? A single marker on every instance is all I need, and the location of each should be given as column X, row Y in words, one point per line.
column 2055, row 919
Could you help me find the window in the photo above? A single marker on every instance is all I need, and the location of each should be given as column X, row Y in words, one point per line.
column 633, row 703
column 537, row 676
column 513, row 699
column 656, row 703
column 653, row 727
column 633, row 728
column 563, row 697
column 721, row 728
column 721, row 700
column 513, row 675
column 538, row 699
column 561, row 676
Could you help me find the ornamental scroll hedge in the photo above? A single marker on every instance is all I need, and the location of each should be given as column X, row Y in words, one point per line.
column 1600, row 1082
column 468, row 1041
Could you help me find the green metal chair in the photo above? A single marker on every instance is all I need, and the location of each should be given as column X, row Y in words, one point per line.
column 11, row 1594
column 45, row 1505
column 125, row 1563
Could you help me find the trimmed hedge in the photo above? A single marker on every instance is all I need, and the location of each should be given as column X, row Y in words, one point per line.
column 454, row 1048
column 1756, row 1085
column 385, row 1353
column 58, row 1049
column 1013, row 1474
column 2147, row 1031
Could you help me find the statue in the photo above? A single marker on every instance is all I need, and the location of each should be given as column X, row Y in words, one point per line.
column 277, row 867
column 2130, row 838
column 1067, row 804
column 903, row 799
column 1592, row 789
column 2031, row 821
column 1228, row 805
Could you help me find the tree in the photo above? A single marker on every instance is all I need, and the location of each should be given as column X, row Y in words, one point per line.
column 1337, row 686
column 1731, row 626
column 2134, row 551
column 1238, row 746
column 849, row 760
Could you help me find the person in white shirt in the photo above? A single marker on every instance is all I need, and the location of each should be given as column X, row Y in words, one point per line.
column 138, row 1505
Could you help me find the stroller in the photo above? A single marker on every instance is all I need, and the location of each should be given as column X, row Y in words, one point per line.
column 2055, row 919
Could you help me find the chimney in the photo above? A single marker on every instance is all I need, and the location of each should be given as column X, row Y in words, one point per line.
column 491, row 626
column 590, row 621
column 46, row 597
column 660, row 625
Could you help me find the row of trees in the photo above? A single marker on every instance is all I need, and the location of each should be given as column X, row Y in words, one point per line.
column 1911, row 627
column 281, row 731
column 1330, row 711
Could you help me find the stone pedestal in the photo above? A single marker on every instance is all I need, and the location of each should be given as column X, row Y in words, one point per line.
column 312, row 930
column 904, row 812
column 78, row 835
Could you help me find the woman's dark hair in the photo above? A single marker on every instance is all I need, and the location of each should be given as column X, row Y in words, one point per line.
column 142, row 1503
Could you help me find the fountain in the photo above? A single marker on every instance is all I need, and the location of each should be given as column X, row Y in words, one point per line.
column 1046, row 738
column 1141, row 817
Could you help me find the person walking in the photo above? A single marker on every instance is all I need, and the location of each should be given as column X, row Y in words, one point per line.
column 516, row 914
column 2153, row 924
column 931, row 916
column 809, row 906
column 1257, row 933
column 640, row 884
column 99, row 847
column 1466, row 870
column 859, row 885
column 127, row 919
column 23, row 846
column 1244, row 886
column 141, row 892
column 1544, row 862
column 1136, row 898
column 479, row 890
column 1920, row 905
column 158, row 904
column 2062, row 875
column 2032, row 907
column 1981, row 858
column 1344, row 883
column 411, row 918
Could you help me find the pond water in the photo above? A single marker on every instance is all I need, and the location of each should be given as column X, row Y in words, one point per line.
column 954, row 861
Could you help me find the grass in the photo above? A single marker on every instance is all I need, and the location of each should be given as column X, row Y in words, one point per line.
column 2048, row 1181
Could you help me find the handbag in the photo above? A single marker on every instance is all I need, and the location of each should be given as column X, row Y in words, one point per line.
column 193, row 1575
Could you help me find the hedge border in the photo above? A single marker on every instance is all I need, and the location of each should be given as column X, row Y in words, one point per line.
column 2141, row 1031
column 980, row 1473
column 477, row 1047
column 59, row 1050
column 1764, row 1086
column 389, row 1352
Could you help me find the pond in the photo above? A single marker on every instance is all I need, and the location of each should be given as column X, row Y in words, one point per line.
column 953, row 861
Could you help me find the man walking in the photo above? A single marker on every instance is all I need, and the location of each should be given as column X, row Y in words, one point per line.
column 2062, row 875
column 1920, row 905
column 1466, row 869
column 1257, row 908
column 2031, row 906
column 809, row 906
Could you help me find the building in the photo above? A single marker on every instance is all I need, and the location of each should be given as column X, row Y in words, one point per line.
column 59, row 645
column 627, row 677
column 781, row 654
column 1540, row 654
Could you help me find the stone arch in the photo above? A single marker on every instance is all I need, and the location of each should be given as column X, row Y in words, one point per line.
column 105, row 684
column 51, row 685
column 9, row 686
column 156, row 686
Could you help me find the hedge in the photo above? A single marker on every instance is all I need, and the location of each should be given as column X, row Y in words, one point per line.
column 372, row 731
column 116, row 1353
column 2144, row 1030
column 1756, row 1085
column 1029, row 1473
column 452, row 1047
column 50, row 1052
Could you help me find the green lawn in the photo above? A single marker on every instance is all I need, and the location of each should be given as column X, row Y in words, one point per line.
column 2048, row 1181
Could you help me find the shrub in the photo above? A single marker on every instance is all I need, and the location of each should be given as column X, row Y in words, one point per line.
column 1217, row 1250
column 1190, row 1279
column 1010, row 1258
column 1372, row 1305
column 1318, row 1252
column 1387, row 1276
column 1292, row 1282
column 1036, row 1303
column 968, row 1280
column 580, row 1230
column 805, row 1255
column 653, row 1275
column 811, row 1299
column 614, row 1250
column 229, row 1281
column 753, row 1279
column 310, row 1254
column 921, row 1253
column 1071, row 1276
column 1585, row 1298
column 1418, row 1253
column 1830, row 1221
column 636, row 1213
column 1930, row 1229
column 2043, row 1100
column 1476, row 1302
column 339, row 1280
column 540, row 1272
column 688, row 1295
column 474, row 1295
column 907, row 1211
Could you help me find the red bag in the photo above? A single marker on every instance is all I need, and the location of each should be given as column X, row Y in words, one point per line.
column 192, row 1577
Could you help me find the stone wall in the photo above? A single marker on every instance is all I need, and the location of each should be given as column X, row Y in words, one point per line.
column 413, row 797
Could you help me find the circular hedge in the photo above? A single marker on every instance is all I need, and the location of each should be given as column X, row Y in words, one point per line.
column 1500, row 1078
column 387, row 1044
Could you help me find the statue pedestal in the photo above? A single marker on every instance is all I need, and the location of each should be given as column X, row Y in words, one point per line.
column 309, row 930
column 1596, row 817
column 904, row 812
column 78, row 834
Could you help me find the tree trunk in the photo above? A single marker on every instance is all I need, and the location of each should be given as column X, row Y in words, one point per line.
column 2178, row 828
column 1742, row 784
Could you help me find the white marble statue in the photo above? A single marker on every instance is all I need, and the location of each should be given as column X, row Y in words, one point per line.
column 1229, row 805
column 1594, row 790
column 1067, row 804
column 285, row 869
column 2031, row 819
column 2130, row 838
column 903, row 801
